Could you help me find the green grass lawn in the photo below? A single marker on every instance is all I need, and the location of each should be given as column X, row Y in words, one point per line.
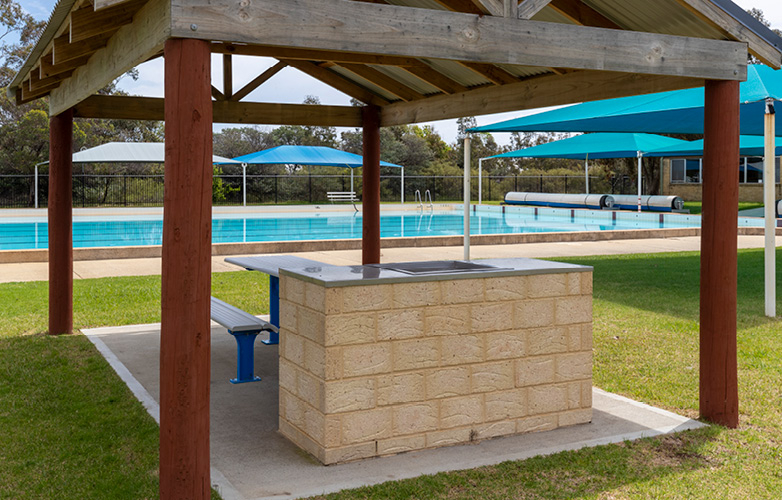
column 696, row 207
column 69, row 428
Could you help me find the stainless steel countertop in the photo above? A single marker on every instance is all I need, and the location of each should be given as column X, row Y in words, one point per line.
column 338, row 276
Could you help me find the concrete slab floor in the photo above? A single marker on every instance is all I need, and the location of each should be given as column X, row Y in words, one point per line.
column 38, row 271
column 251, row 460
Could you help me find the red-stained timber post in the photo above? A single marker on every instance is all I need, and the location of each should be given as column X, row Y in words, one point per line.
column 719, row 401
column 370, row 244
column 61, row 223
column 186, row 281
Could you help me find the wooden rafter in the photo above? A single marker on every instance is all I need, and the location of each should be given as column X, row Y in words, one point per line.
column 528, row 8
column 535, row 92
column 337, row 81
column 257, row 81
column 711, row 13
column 384, row 81
column 130, row 46
column 493, row 73
column 64, row 50
column 87, row 22
column 48, row 69
column 581, row 13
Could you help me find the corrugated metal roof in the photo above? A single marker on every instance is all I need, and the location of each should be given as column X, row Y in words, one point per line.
column 364, row 83
column 667, row 17
column 457, row 72
column 407, row 79
column 524, row 71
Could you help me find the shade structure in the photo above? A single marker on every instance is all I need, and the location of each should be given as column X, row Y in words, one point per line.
column 749, row 145
column 676, row 112
column 132, row 152
column 597, row 146
column 306, row 155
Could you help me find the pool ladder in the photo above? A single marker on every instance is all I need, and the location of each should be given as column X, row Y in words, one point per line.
column 420, row 201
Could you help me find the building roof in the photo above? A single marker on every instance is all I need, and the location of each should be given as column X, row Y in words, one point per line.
column 419, row 60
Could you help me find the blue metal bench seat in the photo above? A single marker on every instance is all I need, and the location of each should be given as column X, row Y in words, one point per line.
column 244, row 327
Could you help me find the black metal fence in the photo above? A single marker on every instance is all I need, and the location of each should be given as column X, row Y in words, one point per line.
column 91, row 190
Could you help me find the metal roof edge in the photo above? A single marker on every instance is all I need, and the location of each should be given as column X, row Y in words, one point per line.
column 742, row 16
column 59, row 13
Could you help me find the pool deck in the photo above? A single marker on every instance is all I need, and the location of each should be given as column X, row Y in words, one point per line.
column 38, row 271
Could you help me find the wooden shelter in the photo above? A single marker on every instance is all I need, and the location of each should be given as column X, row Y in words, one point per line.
column 407, row 61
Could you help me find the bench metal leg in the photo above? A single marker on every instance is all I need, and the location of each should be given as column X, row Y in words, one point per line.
column 274, row 309
column 245, row 362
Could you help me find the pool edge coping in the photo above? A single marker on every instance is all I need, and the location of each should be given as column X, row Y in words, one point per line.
column 266, row 247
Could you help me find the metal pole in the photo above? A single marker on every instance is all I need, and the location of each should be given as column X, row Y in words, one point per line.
column 351, row 181
column 586, row 173
column 36, row 186
column 403, row 186
column 769, row 182
column 244, row 184
column 640, row 160
column 480, row 180
column 467, row 198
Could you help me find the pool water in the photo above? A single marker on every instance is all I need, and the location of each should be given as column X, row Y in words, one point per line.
column 148, row 230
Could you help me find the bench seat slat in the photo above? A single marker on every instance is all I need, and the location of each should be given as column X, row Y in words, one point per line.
column 236, row 320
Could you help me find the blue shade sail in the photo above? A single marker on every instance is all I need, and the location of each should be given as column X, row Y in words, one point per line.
column 597, row 146
column 675, row 112
column 306, row 155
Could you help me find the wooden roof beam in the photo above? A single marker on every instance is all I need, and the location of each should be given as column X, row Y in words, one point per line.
column 384, row 81
column 422, row 33
column 536, row 92
column 257, row 113
column 337, row 81
column 257, row 81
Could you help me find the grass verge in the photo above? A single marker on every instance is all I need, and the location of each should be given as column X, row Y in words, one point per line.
column 70, row 429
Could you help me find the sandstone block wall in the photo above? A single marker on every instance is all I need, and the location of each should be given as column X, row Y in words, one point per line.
column 382, row 369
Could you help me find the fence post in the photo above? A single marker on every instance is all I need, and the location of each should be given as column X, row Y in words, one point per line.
column 125, row 189
column 541, row 183
column 566, row 176
column 310, row 183
column 276, row 177
column 515, row 182
column 488, row 181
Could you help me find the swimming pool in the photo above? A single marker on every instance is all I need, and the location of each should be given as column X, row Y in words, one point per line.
column 142, row 230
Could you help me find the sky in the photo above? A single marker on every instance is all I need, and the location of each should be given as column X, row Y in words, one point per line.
column 291, row 86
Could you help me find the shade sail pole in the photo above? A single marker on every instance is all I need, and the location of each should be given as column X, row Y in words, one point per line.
column 244, row 184
column 467, row 198
column 586, row 172
column 640, row 163
column 61, row 223
column 480, row 180
column 718, row 365
column 186, row 277
column 402, row 187
column 370, row 244
column 769, row 182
